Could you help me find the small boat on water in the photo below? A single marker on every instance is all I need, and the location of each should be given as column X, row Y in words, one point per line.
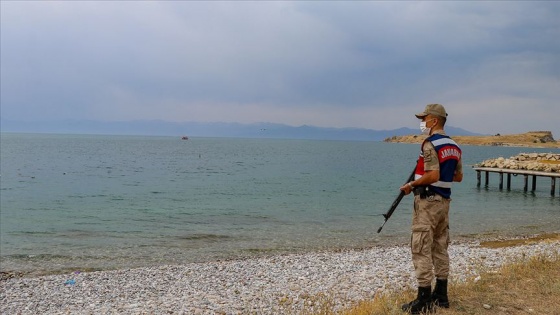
column 184, row 138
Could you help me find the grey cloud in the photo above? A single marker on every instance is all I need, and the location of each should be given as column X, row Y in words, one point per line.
column 80, row 58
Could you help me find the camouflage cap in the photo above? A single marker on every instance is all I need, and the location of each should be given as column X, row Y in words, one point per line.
column 433, row 109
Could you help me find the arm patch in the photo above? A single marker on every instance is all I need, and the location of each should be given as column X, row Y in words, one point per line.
column 431, row 162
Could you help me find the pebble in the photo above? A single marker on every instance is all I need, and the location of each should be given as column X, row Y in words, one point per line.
column 269, row 285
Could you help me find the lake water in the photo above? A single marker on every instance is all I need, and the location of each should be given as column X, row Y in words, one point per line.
column 86, row 202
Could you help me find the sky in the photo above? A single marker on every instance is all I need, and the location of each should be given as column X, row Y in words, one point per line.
column 494, row 65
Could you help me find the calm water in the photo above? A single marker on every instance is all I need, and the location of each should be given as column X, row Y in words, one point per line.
column 99, row 202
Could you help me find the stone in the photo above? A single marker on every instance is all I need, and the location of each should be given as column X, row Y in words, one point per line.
column 272, row 283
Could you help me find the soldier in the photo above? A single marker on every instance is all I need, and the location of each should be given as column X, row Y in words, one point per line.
column 438, row 166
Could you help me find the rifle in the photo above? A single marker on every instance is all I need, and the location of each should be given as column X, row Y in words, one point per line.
column 397, row 201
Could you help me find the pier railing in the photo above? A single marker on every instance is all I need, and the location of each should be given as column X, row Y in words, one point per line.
column 509, row 172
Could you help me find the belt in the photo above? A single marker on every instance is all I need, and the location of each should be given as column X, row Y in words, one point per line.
column 423, row 192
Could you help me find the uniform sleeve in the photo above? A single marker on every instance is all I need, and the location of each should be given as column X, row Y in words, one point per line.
column 459, row 168
column 431, row 162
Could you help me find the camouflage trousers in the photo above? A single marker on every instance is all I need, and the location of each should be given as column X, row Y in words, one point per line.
column 430, row 238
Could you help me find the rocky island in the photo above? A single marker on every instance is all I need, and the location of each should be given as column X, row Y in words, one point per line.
column 534, row 139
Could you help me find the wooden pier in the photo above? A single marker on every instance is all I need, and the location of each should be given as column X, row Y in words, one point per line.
column 525, row 173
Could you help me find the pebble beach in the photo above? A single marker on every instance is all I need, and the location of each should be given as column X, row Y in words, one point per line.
column 284, row 284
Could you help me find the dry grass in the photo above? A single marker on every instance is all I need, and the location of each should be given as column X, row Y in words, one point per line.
column 549, row 162
column 525, row 287
column 550, row 237
column 529, row 286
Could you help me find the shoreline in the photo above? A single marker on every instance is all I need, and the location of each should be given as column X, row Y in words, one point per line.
column 264, row 285
column 395, row 241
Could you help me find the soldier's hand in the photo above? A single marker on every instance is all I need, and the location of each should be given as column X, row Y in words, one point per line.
column 406, row 188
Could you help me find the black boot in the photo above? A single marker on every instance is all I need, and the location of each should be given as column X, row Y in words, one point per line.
column 439, row 296
column 423, row 302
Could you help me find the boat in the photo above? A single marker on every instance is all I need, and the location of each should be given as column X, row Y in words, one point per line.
column 184, row 138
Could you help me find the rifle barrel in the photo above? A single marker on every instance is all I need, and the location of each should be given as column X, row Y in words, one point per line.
column 396, row 202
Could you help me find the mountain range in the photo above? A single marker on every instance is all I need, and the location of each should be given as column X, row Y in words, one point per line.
column 210, row 129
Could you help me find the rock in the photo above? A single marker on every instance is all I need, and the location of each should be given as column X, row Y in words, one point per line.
column 545, row 162
column 487, row 306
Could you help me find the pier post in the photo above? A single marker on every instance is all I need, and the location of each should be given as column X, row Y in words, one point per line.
column 526, row 173
column 534, row 183
column 501, row 180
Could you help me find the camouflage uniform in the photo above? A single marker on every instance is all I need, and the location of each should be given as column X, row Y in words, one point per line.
column 430, row 228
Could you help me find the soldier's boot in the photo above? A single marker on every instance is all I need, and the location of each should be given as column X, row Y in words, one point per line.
column 439, row 296
column 423, row 302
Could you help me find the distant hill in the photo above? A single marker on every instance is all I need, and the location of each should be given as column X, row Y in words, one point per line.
column 213, row 129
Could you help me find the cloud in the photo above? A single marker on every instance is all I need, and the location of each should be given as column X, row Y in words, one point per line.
column 360, row 64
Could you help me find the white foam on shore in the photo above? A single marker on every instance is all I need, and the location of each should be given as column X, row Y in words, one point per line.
column 271, row 285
